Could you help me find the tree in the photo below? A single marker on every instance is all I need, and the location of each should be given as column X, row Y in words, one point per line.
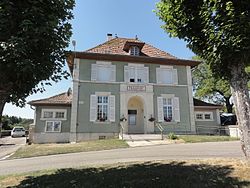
column 208, row 86
column 33, row 37
column 219, row 32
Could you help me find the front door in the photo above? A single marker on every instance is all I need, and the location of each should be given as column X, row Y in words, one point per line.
column 135, row 116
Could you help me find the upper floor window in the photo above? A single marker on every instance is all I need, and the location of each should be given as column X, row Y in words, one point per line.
column 103, row 71
column 134, row 50
column 51, row 114
column 166, row 75
column 136, row 73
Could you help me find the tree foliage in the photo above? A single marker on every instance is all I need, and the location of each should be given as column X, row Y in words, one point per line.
column 207, row 86
column 33, row 37
column 218, row 31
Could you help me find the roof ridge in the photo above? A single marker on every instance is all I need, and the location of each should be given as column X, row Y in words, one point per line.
column 115, row 38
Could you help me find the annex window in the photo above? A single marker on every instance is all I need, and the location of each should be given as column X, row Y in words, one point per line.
column 134, row 50
column 166, row 75
column 204, row 116
column 103, row 72
column 168, row 109
column 199, row 116
column 102, row 108
column 51, row 114
column 53, row 126
column 136, row 73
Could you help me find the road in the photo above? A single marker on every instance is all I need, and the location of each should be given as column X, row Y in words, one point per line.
column 9, row 145
column 147, row 153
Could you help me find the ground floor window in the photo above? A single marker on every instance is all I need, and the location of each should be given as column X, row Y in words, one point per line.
column 102, row 108
column 167, row 109
column 53, row 126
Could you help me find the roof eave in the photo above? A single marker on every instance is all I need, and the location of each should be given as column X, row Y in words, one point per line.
column 127, row 58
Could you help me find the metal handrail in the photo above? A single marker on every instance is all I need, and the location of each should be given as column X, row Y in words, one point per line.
column 121, row 130
column 158, row 125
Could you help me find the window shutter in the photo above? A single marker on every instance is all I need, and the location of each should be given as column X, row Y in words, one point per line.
column 113, row 73
column 158, row 75
column 175, row 77
column 94, row 69
column 112, row 108
column 93, row 108
column 146, row 75
column 126, row 74
column 160, row 109
column 176, row 109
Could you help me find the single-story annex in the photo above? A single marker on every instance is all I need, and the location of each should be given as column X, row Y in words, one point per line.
column 126, row 80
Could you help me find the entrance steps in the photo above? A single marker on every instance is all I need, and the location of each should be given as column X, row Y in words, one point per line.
column 140, row 137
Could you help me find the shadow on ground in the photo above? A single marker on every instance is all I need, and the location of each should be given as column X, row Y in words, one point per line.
column 175, row 174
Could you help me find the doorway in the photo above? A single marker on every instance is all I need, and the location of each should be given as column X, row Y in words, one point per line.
column 135, row 115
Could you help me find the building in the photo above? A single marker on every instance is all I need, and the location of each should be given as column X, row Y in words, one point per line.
column 125, row 80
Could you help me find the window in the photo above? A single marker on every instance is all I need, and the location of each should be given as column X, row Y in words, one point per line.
column 199, row 116
column 60, row 115
column 102, row 108
column 53, row 126
column 167, row 109
column 103, row 71
column 204, row 116
column 136, row 73
column 48, row 114
column 134, row 50
column 51, row 114
column 166, row 75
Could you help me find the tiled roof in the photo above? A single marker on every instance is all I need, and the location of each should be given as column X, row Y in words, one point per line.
column 60, row 99
column 199, row 103
column 115, row 46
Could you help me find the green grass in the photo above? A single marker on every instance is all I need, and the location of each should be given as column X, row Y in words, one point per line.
column 192, row 173
column 51, row 149
column 203, row 138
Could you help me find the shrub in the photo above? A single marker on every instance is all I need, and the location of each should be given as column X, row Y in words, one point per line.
column 172, row 136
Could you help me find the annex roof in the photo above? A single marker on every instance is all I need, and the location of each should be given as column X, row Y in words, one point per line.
column 64, row 99
column 201, row 104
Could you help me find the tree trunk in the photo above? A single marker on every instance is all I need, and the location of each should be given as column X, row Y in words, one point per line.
column 3, row 98
column 240, row 93
column 228, row 105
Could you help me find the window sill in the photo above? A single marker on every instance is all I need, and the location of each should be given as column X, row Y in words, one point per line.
column 169, row 123
column 52, row 131
column 53, row 119
column 204, row 120
column 102, row 122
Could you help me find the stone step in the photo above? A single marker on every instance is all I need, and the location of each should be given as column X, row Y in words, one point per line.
column 137, row 137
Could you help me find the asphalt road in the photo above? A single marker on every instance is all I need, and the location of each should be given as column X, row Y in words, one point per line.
column 147, row 153
column 9, row 145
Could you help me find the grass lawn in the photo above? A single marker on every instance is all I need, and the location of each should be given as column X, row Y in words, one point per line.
column 203, row 138
column 51, row 149
column 191, row 173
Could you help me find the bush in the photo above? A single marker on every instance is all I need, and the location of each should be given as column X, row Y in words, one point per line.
column 172, row 136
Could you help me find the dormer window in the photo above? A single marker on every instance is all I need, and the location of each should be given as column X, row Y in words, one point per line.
column 134, row 50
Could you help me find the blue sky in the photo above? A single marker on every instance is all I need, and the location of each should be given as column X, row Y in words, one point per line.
column 94, row 19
